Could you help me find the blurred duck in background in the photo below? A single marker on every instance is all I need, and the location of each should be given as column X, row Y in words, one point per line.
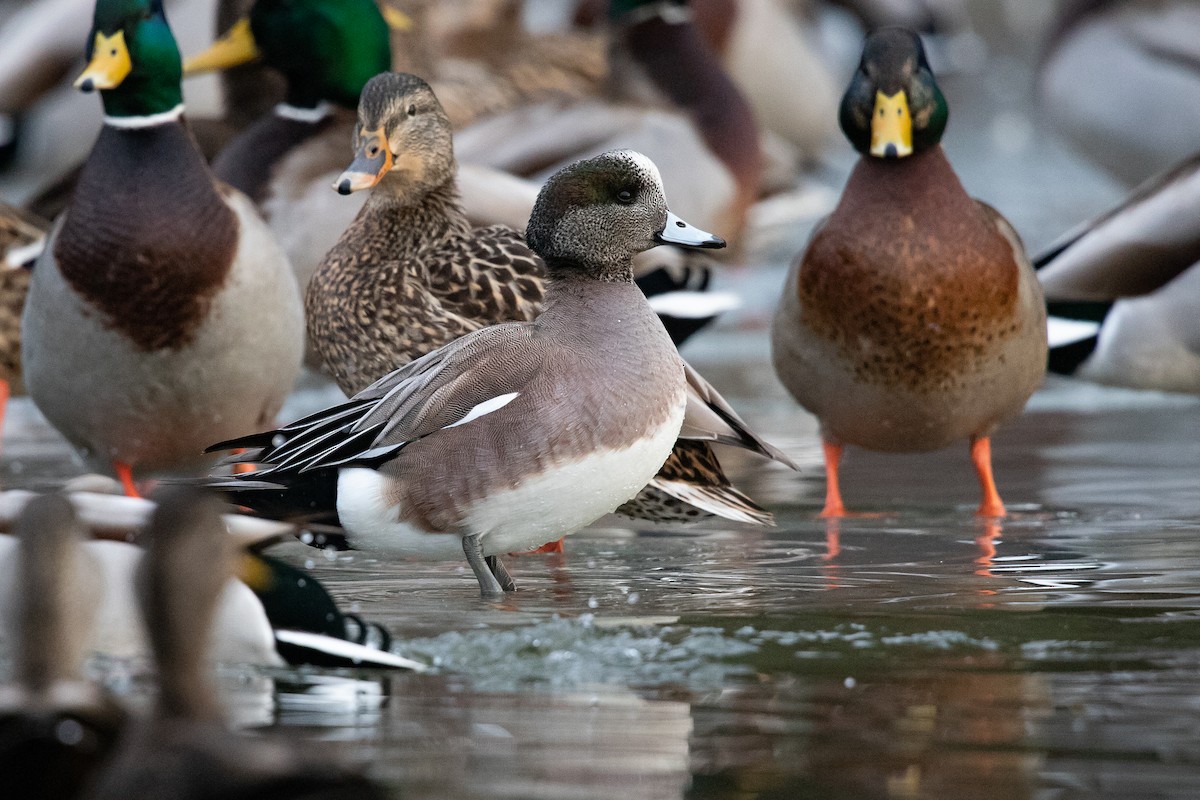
column 1112, row 67
column 286, row 160
column 1123, row 289
column 162, row 312
column 49, row 126
column 56, row 727
column 913, row 319
column 184, row 748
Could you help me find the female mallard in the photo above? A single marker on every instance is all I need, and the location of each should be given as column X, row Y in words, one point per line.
column 913, row 318
column 517, row 433
column 161, row 313
column 183, row 748
column 411, row 275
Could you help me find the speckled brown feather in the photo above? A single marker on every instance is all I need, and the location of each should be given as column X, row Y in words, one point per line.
column 147, row 247
column 909, row 277
column 17, row 229
column 403, row 281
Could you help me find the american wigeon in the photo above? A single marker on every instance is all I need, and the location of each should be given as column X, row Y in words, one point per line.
column 913, row 318
column 522, row 432
column 162, row 313
column 411, row 274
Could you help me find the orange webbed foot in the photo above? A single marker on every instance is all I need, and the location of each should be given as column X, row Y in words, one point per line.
column 981, row 454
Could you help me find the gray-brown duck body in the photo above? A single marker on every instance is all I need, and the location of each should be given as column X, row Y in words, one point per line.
column 521, row 432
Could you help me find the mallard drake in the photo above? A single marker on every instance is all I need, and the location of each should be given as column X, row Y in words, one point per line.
column 1109, row 67
column 913, row 318
column 162, row 312
column 1123, row 289
column 56, row 727
column 183, row 748
column 517, row 433
column 273, row 613
column 285, row 161
column 411, row 275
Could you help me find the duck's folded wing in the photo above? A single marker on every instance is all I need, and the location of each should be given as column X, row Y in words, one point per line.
column 1133, row 249
column 708, row 417
column 468, row 378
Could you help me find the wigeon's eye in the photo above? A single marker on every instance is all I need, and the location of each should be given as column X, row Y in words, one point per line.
column 412, row 110
column 625, row 196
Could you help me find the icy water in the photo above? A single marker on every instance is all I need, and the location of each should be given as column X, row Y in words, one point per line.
column 911, row 652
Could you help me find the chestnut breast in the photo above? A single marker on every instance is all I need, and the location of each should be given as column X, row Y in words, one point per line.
column 909, row 278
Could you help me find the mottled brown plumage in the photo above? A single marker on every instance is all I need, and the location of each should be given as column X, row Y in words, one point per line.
column 18, row 231
column 410, row 275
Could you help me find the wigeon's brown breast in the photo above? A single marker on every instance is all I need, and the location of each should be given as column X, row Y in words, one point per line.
column 909, row 277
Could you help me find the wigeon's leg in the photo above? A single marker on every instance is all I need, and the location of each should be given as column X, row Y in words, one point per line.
column 501, row 573
column 125, row 476
column 833, row 492
column 488, row 585
column 981, row 454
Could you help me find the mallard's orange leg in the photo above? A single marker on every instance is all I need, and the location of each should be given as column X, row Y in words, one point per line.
column 981, row 454
column 125, row 476
column 833, row 493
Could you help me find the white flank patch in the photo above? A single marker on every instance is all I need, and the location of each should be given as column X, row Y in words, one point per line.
column 298, row 114
column 485, row 408
column 694, row 305
column 543, row 507
column 148, row 121
column 1061, row 331
column 356, row 653
column 18, row 257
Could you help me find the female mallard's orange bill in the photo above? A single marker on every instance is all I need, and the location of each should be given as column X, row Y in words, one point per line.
column 681, row 233
column 372, row 160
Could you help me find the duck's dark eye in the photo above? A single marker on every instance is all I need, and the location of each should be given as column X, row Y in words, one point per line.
column 625, row 196
column 412, row 110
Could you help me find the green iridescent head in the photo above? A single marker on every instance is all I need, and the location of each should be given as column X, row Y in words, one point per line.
column 893, row 106
column 132, row 59
column 327, row 49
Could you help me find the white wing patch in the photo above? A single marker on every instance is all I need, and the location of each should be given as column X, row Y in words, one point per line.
column 693, row 305
column 1062, row 331
column 485, row 408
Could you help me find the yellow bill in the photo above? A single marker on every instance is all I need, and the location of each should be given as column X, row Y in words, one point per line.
column 372, row 160
column 891, row 126
column 109, row 66
column 234, row 48
column 397, row 20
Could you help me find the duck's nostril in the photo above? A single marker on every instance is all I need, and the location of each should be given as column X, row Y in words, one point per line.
column 680, row 223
